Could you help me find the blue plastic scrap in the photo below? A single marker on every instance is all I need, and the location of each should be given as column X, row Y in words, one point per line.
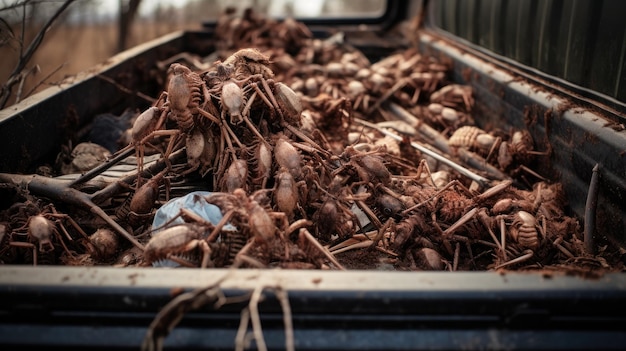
column 169, row 213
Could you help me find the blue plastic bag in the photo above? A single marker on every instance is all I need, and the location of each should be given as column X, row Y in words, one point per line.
column 169, row 215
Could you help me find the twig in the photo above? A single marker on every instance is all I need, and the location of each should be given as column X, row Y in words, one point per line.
column 312, row 240
column 561, row 248
column 256, row 319
column 399, row 85
column 126, row 90
column 172, row 313
column 59, row 190
column 464, row 219
column 381, row 232
column 441, row 143
column 283, row 298
column 32, row 90
column 16, row 5
column 8, row 32
column 251, row 313
column 23, row 28
column 240, row 338
column 483, row 218
column 360, row 245
column 526, row 256
column 30, row 51
column 251, row 261
column 503, row 237
column 22, row 79
column 466, row 172
column 590, row 209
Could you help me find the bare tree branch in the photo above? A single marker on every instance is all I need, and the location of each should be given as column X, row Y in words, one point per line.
column 126, row 90
column 5, row 92
column 22, row 3
column 24, row 75
column 15, row 5
column 22, row 35
column 44, row 79
column 6, row 32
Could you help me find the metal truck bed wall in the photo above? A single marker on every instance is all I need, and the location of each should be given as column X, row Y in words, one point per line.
column 109, row 308
column 577, row 137
column 531, row 67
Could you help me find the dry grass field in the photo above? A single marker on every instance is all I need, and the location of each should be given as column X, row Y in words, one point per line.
column 69, row 49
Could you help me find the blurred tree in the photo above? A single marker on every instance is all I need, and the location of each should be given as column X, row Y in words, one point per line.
column 197, row 11
column 128, row 12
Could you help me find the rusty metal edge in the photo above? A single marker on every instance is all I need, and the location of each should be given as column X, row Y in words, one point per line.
column 315, row 280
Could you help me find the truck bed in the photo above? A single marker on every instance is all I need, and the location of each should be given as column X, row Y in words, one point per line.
column 105, row 307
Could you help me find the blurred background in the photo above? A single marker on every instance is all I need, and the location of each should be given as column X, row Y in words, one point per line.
column 44, row 41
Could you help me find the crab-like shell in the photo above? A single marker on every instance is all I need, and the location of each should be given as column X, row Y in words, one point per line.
column 374, row 167
column 195, row 144
column 184, row 95
column 389, row 205
column 472, row 138
column 429, row 259
column 144, row 198
column 248, row 62
column 262, row 162
column 326, row 219
column 145, row 123
column 287, row 156
column 106, row 242
column 178, row 90
column 524, row 231
column 289, row 103
column 172, row 240
column 41, row 228
column 236, row 176
column 286, row 193
column 232, row 99
column 520, row 145
column 260, row 223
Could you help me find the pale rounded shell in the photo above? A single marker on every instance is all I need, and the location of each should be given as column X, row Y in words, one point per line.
column 449, row 114
column 429, row 259
column 144, row 123
column 524, row 231
column 355, row 88
column 195, row 145
column 286, row 194
column 40, row 228
column 86, row 156
column 435, row 108
column 288, row 157
column 178, row 90
column 105, row 241
column 288, row 100
column 232, row 99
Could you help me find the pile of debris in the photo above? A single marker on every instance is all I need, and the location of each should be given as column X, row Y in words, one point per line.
column 284, row 150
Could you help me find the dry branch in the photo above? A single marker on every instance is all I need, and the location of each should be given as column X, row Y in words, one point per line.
column 26, row 56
